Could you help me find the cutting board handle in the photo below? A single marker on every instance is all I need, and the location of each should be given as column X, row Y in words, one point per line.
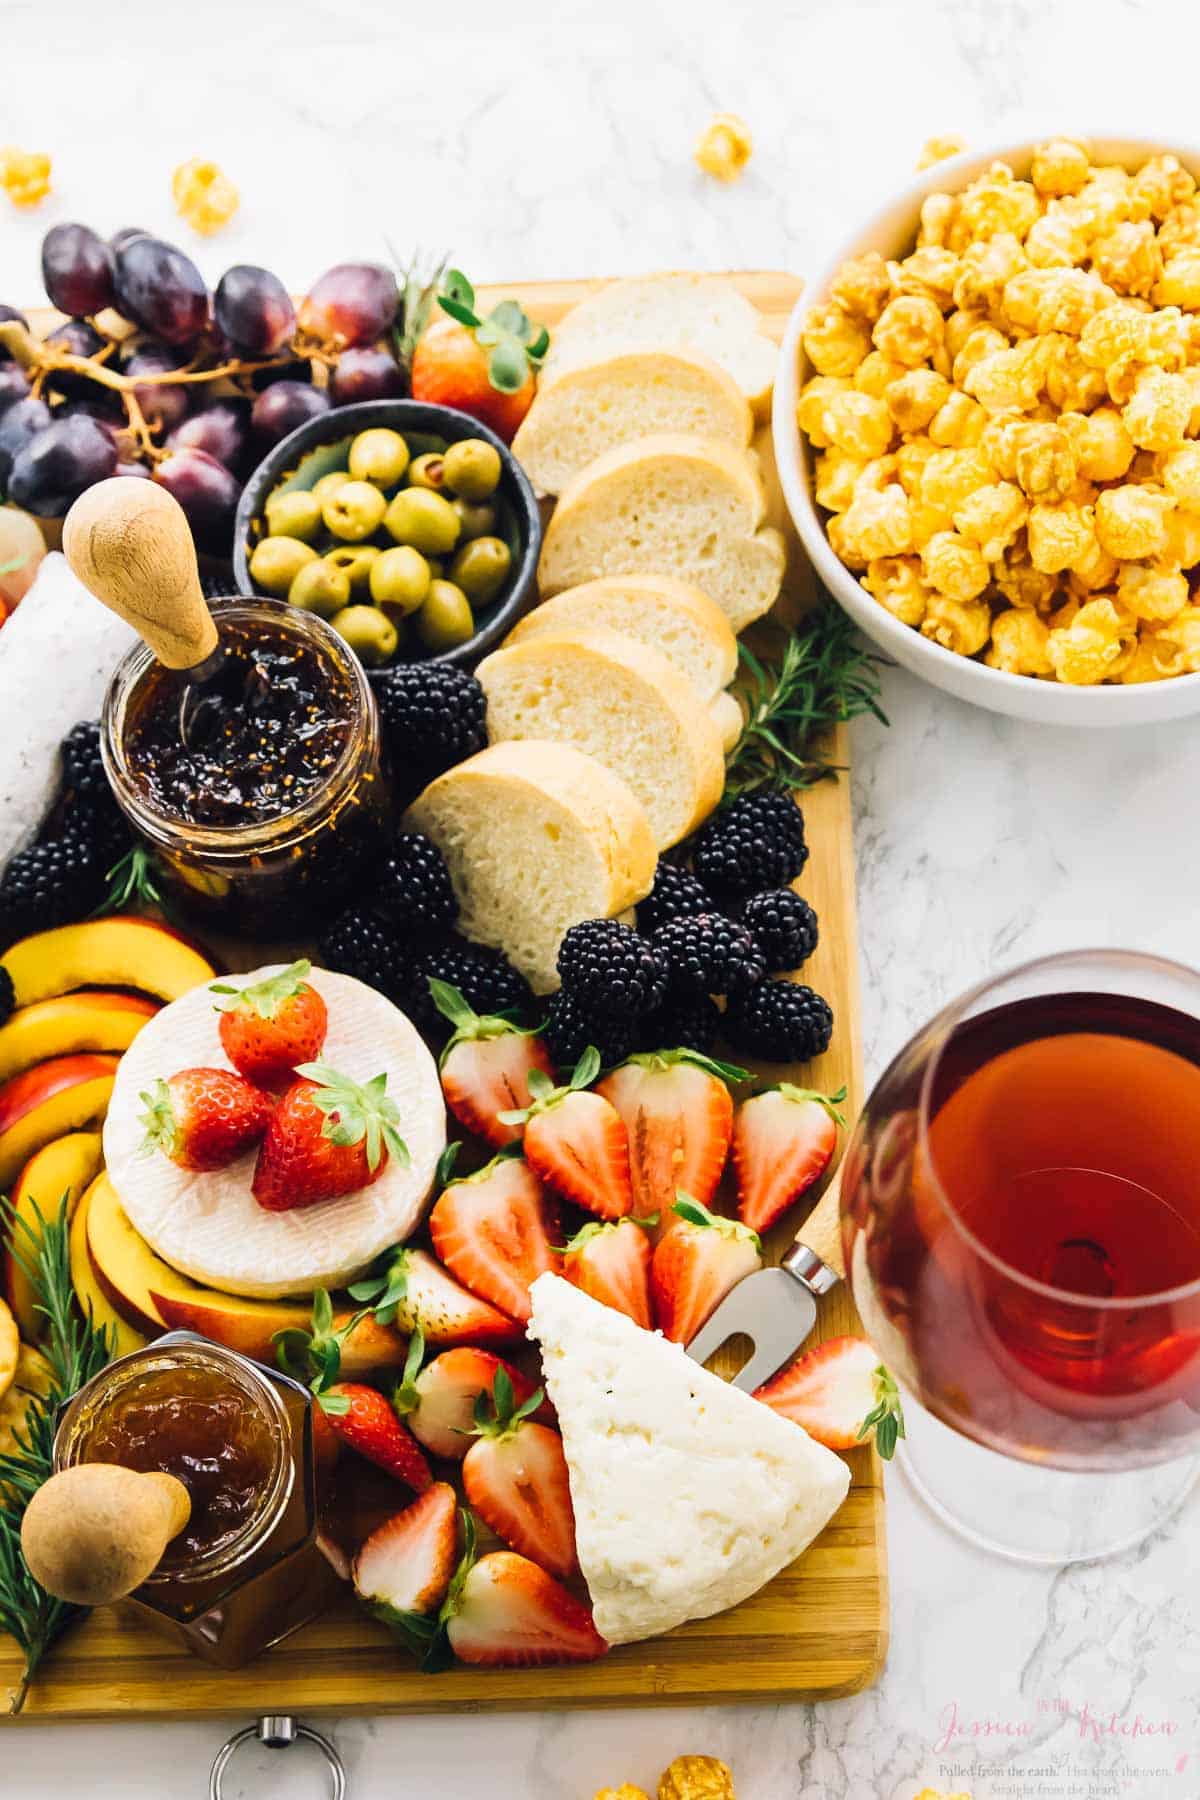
column 95, row 1531
column 822, row 1230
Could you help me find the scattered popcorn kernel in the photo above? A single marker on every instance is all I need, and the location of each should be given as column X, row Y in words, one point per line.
column 958, row 625
column 877, row 523
column 1094, row 647
column 909, row 329
column 895, row 581
column 1060, row 167
column 935, row 1794
column 1158, row 411
column 24, row 175
column 811, row 407
column 1060, row 536
column 876, row 373
column 204, row 195
column 1181, row 476
column 913, row 399
column 724, row 147
column 859, row 424
column 955, row 567
column 1131, row 521
column 624, row 1792
column 1019, row 639
column 940, row 149
column 1150, row 594
column 696, row 1778
column 1047, row 464
column 835, row 342
column 991, row 517
column 862, row 286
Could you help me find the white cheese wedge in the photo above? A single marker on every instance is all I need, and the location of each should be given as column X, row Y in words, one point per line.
column 689, row 1495
column 210, row 1226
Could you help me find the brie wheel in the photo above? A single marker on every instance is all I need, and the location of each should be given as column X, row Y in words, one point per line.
column 209, row 1225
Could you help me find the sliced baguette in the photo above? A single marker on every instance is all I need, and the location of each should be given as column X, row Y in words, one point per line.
column 537, row 837
column 670, row 312
column 588, row 410
column 620, row 702
column 692, row 507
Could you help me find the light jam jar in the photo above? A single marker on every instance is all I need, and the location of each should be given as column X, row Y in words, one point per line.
column 266, row 823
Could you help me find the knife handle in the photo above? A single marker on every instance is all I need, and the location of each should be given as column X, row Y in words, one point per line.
column 816, row 1256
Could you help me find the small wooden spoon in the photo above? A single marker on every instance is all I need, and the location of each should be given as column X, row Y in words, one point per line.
column 94, row 1532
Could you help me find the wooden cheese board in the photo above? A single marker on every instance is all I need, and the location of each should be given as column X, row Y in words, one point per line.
column 819, row 1630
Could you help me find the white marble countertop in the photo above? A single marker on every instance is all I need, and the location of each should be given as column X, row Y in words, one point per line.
column 556, row 141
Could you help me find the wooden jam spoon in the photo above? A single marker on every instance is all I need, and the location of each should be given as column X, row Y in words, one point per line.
column 94, row 1532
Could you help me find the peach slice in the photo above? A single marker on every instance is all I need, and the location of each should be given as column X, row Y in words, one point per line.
column 61, row 1169
column 88, row 1020
column 122, row 1337
column 124, row 951
column 49, row 1100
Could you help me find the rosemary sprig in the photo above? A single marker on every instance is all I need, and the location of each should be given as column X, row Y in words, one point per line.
column 131, row 882
column 823, row 677
column 74, row 1350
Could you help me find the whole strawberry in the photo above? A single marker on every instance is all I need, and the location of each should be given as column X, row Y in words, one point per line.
column 328, row 1136
column 204, row 1118
column 273, row 1025
column 482, row 366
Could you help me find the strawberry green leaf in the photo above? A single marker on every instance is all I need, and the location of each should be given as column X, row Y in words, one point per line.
column 886, row 1419
column 508, row 368
column 264, row 997
column 509, row 317
column 455, row 286
column 450, row 1002
column 586, row 1069
column 445, row 1163
column 538, row 348
column 830, row 1102
column 336, row 1405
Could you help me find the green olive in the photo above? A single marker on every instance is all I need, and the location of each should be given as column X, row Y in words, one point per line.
column 295, row 515
column 369, row 633
column 380, row 456
column 472, row 468
column 357, row 561
column 427, row 471
column 277, row 561
column 400, row 578
column 475, row 519
column 320, row 588
column 424, row 520
column 329, row 484
column 481, row 568
column 446, row 619
column 354, row 512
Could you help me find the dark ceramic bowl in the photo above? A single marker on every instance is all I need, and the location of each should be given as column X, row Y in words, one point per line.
column 320, row 445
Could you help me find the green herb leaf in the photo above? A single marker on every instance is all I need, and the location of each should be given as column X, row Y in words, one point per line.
column 455, row 286
column 508, row 369
column 886, row 1419
column 131, row 882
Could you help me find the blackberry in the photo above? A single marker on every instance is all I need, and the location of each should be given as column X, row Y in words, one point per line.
column 685, row 1022
column 433, row 716
column 676, row 894
column 783, row 926
column 756, row 843
column 414, row 885
column 487, row 981
column 87, row 804
column 51, row 883
column 710, row 954
column 570, row 1027
column 611, row 969
column 360, row 944
column 779, row 1021
column 8, row 998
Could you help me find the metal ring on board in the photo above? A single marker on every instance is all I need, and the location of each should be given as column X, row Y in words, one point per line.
column 279, row 1731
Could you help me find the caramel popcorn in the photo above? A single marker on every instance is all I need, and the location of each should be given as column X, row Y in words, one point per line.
column 936, row 1794
column 24, row 175
column 1009, row 417
column 939, row 149
column 204, row 195
column 696, row 1778
column 724, row 147
column 624, row 1792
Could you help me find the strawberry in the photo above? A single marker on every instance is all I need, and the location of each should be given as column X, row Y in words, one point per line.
column 611, row 1262
column 413, row 1291
column 369, row 1423
column 272, row 1025
column 515, row 1476
column 485, row 1067
column 840, row 1392
column 507, row 1613
column 402, row 1573
column 783, row 1141
column 696, row 1265
column 493, row 1230
column 204, row 1118
column 438, row 1403
column 577, row 1142
column 328, row 1136
column 482, row 366
column 679, row 1116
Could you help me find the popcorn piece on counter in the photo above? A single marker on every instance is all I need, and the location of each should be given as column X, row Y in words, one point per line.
column 624, row 1792
column 724, row 147
column 940, row 149
column 204, row 195
column 24, row 175
column 937, row 1794
column 696, row 1778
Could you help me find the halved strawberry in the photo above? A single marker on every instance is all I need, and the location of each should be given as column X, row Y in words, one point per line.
column 840, row 1392
column 269, row 1027
column 327, row 1136
column 783, row 1142
column 508, row 1613
column 494, row 1230
column 485, row 1067
column 696, row 1265
column 413, row 1291
column 438, row 1402
column 577, row 1141
column 611, row 1262
column 403, row 1571
column 678, row 1112
column 369, row 1423
column 204, row 1118
column 515, row 1476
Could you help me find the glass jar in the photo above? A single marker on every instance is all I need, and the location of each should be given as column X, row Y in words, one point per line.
column 254, row 863
column 246, row 1570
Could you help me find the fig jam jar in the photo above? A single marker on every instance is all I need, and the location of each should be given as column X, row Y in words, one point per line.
column 246, row 1569
column 271, row 814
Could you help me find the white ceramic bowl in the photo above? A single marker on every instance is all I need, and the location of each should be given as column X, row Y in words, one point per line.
column 892, row 231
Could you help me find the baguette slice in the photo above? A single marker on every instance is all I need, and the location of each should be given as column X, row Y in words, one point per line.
column 691, row 507
column 673, row 617
column 537, row 837
column 588, row 410
column 670, row 312
column 617, row 701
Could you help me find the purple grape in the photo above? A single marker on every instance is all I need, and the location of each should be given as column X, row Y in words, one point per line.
column 6, row 313
column 288, row 371
column 77, row 269
column 366, row 374
column 126, row 235
column 283, row 406
column 13, row 385
column 352, row 303
column 164, row 404
column 207, row 492
column 57, row 465
column 220, row 429
column 97, row 403
column 77, row 338
column 161, row 289
column 254, row 310
column 19, row 424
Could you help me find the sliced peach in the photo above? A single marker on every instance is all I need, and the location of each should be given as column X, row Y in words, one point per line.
column 124, row 951
column 250, row 1326
column 60, row 1170
column 124, row 1265
column 122, row 1337
column 89, row 1020
column 49, row 1100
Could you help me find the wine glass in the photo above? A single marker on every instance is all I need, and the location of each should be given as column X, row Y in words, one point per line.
column 1021, row 1223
